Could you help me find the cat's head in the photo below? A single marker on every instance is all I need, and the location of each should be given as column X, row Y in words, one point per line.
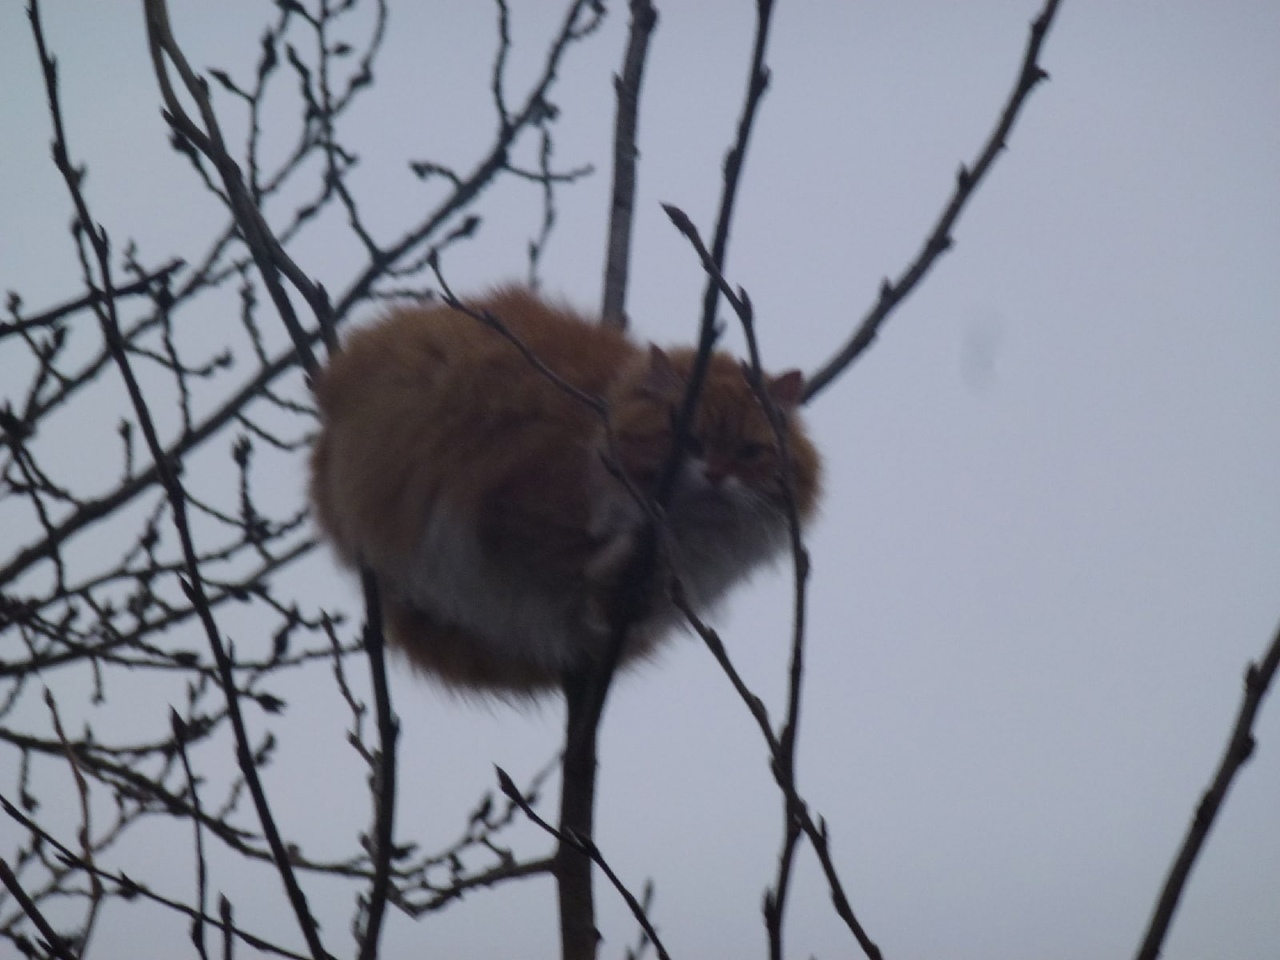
column 731, row 453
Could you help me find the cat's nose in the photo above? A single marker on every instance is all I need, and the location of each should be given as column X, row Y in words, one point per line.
column 715, row 471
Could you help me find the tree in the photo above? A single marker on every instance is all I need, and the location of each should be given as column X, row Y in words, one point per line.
column 177, row 579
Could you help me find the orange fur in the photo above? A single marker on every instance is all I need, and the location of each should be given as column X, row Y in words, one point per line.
column 478, row 492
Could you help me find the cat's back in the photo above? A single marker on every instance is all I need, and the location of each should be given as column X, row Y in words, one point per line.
column 430, row 406
column 439, row 356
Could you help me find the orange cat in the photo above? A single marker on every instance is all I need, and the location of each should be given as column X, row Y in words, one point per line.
column 478, row 492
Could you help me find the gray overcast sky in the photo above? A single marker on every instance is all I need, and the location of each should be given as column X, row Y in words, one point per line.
column 1051, row 540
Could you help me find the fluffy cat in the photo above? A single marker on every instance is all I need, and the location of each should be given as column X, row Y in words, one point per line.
column 480, row 494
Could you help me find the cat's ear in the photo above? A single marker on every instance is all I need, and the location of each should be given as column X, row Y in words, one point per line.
column 787, row 389
column 661, row 379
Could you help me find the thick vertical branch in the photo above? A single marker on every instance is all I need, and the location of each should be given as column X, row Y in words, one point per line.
column 585, row 697
column 578, row 934
column 384, row 772
column 586, row 692
column 626, row 86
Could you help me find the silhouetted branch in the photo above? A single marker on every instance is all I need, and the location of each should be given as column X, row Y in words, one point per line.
column 585, row 691
column 383, row 774
column 816, row 832
column 54, row 942
column 940, row 240
column 483, row 827
column 782, row 748
column 626, row 87
column 85, row 832
column 511, row 124
column 179, row 728
column 587, row 847
column 485, row 878
column 193, row 586
column 143, row 284
column 1257, row 680
column 267, row 252
column 757, row 83
column 129, row 888
column 642, row 941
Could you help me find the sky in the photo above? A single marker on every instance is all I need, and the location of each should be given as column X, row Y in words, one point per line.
column 1050, row 541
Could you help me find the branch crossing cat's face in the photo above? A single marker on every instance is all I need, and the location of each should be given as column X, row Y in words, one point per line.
column 480, row 494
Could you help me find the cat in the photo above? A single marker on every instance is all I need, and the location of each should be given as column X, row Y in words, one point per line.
column 486, row 501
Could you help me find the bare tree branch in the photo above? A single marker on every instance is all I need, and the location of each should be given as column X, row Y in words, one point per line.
column 626, row 88
column 939, row 241
column 202, row 869
column 587, row 847
column 267, row 252
column 193, row 586
column 113, row 617
column 383, row 774
column 55, row 943
column 1257, row 680
column 86, row 824
column 129, row 888
column 796, row 818
column 757, row 83
column 143, row 284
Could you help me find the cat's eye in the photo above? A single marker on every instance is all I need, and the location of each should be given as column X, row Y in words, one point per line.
column 750, row 452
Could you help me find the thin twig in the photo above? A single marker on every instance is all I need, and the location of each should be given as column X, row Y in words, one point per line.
column 487, row 878
column 587, row 847
column 940, row 240
column 1257, row 680
column 55, row 942
column 469, row 187
column 268, row 254
column 816, row 832
column 757, row 83
column 131, row 887
column 141, row 285
column 193, row 584
column 642, row 942
column 180, row 735
column 782, row 745
column 85, row 833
